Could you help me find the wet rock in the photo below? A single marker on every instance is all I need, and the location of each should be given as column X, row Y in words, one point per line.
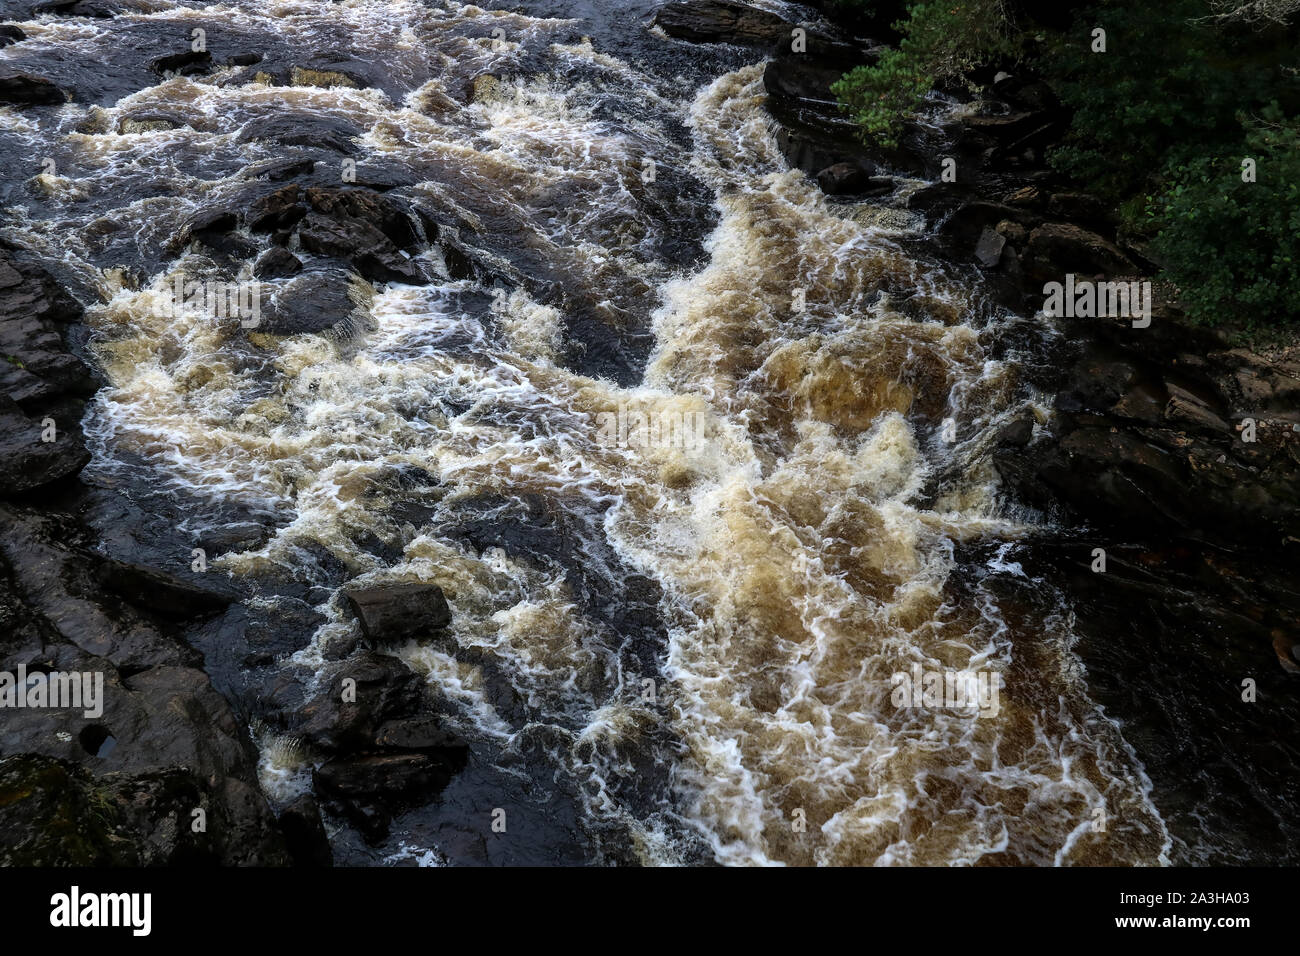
column 1148, row 437
column 304, row 833
column 1055, row 249
column 38, row 375
column 277, row 263
column 205, row 225
column 279, row 170
column 22, row 89
column 314, row 301
column 147, row 123
column 392, row 613
column 845, row 178
column 27, row 460
column 360, row 205
column 368, row 249
column 54, row 575
column 161, row 592
column 303, row 129
column 966, row 225
column 370, row 788
column 416, row 733
column 10, row 34
column 1017, row 433
column 93, row 9
column 814, row 133
column 275, row 210
column 721, row 21
column 365, row 228
column 385, row 690
column 988, row 251
column 177, row 749
column 308, row 76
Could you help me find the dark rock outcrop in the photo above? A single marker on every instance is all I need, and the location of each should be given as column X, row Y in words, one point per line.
column 722, row 21
column 386, row 748
column 1055, row 249
column 43, row 386
column 1168, row 429
column 160, row 771
column 22, row 89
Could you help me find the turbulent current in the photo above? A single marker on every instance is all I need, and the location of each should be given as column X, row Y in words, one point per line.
column 679, row 652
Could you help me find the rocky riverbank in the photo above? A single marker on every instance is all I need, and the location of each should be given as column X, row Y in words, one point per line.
column 195, row 711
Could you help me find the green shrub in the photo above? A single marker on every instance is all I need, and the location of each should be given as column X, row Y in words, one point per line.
column 939, row 41
column 1165, row 92
column 1233, row 247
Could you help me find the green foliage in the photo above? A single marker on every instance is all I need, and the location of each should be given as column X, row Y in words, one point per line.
column 1162, row 120
column 939, row 41
column 1165, row 91
column 1233, row 247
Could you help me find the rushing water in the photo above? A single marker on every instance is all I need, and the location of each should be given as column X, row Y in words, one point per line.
column 695, row 644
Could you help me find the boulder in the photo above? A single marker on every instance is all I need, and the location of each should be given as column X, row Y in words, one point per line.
column 277, row 263
column 370, row 788
column 721, row 21
column 386, row 690
column 279, row 209
column 297, row 128
column 1055, row 249
column 988, row 251
column 185, row 63
column 846, row 179
column 23, row 89
column 391, row 613
column 312, row 302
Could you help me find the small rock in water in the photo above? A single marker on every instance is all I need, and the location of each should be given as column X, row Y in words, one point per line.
column 842, row 178
column 397, row 612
